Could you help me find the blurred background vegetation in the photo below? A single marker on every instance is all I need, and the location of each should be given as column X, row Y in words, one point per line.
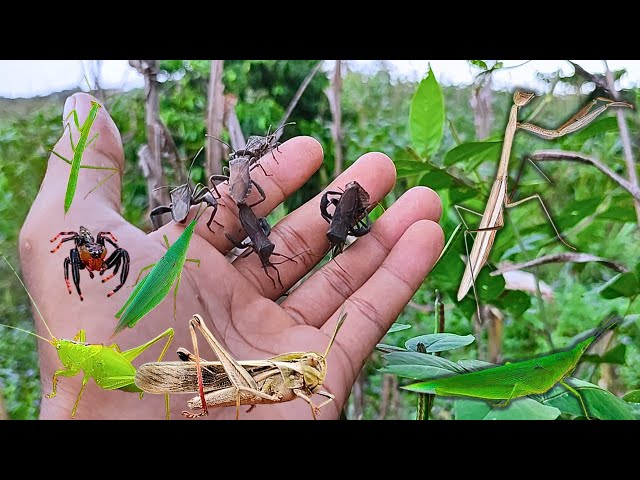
column 445, row 137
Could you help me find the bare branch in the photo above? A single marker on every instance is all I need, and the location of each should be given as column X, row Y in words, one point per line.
column 232, row 123
column 526, row 282
column 565, row 257
column 551, row 155
column 624, row 136
column 150, row 159
column 334, row 94
column 296, row 97
column 215, row 116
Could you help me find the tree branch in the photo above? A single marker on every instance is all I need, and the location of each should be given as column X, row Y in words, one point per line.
column 215, row 116
column 565, row 257
column 551, row 155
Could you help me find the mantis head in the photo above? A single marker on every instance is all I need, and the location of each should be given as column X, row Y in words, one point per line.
column 522, row 98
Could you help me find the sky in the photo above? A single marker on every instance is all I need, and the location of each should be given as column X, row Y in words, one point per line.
column 28, row 78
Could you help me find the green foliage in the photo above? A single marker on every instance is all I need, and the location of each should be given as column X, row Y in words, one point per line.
column 427, row 115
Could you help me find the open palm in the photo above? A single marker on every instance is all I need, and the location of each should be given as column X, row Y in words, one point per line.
column 377, row 275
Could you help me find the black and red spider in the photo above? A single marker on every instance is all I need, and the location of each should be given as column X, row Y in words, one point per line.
column 90, row 254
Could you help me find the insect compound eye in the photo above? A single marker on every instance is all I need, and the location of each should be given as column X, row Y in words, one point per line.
column 58, row 346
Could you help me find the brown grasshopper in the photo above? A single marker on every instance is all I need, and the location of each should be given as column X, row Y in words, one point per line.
column 258, row 231
column 228, row 382
column 349, row 217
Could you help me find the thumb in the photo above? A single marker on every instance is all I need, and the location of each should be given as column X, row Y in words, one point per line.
column 91, row 198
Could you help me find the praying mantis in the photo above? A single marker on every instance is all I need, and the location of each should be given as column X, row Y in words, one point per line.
column 109, row 367
column 78, row 149
column 492, row 218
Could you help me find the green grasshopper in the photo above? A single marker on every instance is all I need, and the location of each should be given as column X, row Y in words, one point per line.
column 513, row 380
column 78, row 150
column 156, row 285
column 110, row 367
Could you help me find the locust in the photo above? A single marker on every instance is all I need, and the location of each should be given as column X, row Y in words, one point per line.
column 492, row 218
column 513, row 380
column 228, row 382
column 152, row 289
column 183, row 197
column 258, row 230
column 349, row 217
column 78, row 149
column 110, row 368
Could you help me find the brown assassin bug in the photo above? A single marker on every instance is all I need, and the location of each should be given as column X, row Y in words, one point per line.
column 240, row 181
column 257, row 146
column 349, row 217
column 183, row 197
column 90, row 254
column 258, row 230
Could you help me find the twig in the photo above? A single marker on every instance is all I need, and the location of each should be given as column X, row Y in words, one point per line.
column 296, row 97
column 624, row 136
column 215, row 115
column 553, row 155
column 565, row 257
column 334, row 94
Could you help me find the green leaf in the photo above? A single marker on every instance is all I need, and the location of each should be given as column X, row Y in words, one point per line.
column 439, row 342
column 632, row 397
column 479, row 63
column 416, row 372
column 614, row 355
column 488, row 288
column 426, row 115
column 473, row 154
column 600, row 403
column 520, row 409
column 621, row 285
column 606, row 124
column 515, row 302
column 398, row 327
column 386, row 348
column 416, row 358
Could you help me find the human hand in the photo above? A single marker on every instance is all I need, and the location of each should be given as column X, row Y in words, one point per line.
column 236, row 300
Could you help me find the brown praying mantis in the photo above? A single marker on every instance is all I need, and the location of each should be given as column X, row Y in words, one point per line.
column 492, row 218
column 229, row 382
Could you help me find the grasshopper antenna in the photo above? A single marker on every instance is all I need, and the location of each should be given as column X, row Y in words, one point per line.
column 193, row 161
column 32, row 300
column 341, row 318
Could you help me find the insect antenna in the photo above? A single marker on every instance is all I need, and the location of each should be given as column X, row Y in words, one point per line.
column 280, row 127
column 221, row 141
column 192, row 162
column 32, row 300
column 341, row 318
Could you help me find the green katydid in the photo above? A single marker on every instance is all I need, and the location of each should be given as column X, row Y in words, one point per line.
column 78, row 150
column 152, row 289
column 110, row 367
column 512, row 380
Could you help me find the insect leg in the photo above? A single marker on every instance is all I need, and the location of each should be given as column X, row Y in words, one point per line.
column 85, row 379
column 75, row 235
column 261, row 192
column 102, row 236
column 506, row 402
column 258, row 164
column 67, row 261
column 577, row 394
column 223, row 178
column 364, row 229
column 123, row 258
column 61, row 373
column 303, row 396
column 76, row 266
column 142, row 270
column 153, row 215
column 205, row 195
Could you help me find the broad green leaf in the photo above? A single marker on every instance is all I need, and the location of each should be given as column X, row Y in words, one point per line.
column 621, row 285
column 426, row 115
column 386, row 348
column 398, row 327
column 471, row 154
column 632, row 397
column 415, row 358
column 520, row 409
column 614, row 355
column 488, row 288
column 600, row 403
column 606, row 124
column 416, row 372
column 409, row 168
column 515, row 302
column 439, row 342
column 637, row 271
